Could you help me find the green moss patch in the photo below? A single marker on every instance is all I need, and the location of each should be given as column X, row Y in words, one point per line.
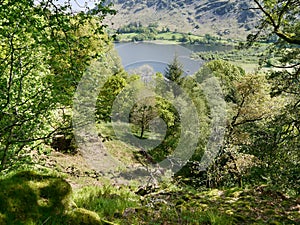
column 28, row 196
column 31, row 198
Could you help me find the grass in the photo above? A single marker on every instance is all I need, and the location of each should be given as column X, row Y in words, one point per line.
column 107, row 201
column 120, row 150
column 33, row 198
column 47, row 197
column 259, row 205
column 125, row 152
column 177, row 36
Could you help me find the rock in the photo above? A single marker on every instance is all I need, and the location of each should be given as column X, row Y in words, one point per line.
column 62, row 143
column 80, row 216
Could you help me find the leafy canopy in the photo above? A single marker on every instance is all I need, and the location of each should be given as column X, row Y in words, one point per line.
column 44, row 50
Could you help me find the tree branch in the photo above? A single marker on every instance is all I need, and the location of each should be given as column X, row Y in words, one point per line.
column 289, row 39
column 272, row 21
column 285, row 67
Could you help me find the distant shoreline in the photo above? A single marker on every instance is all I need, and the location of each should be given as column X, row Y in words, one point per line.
column 169, row 42
column 173, row 38
column 159, row 42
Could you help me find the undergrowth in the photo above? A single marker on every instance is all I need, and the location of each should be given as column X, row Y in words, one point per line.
column 33, row 198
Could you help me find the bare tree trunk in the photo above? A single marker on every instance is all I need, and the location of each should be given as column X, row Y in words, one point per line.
column 142, row 131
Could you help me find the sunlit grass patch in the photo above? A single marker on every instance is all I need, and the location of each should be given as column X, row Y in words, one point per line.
column 107, row 201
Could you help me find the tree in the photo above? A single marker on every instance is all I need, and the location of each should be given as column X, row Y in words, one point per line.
column 143, row 113
column 44, row 51
column 253, row 105
column 174, row 73
column 227, row 74
column 107, row 95
column 281, row 19
column 249, row 105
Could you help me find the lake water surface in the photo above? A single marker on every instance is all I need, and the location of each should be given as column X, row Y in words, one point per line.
column 158, row 56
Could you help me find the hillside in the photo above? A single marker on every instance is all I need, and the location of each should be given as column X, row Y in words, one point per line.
column 226, row 18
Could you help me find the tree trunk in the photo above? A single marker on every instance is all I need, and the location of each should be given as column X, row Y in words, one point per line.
column 142, row 131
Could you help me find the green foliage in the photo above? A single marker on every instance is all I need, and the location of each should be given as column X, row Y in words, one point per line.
column 170, row 115
column 226, row 73
column 275, row 142
column 135, row 31
column 280, row 19
column 184, row 38
column 142, row 33
column 80, row 216
column 142, row 114
column 137, row 27
column 43, row 55
column 31, row 198
column 248, row 105
column 107, row 95
column 237, row 54
column 174, row 71
column 168, row 145
column 184, row 205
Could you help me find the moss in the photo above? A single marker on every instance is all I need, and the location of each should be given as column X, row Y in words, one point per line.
column 82, row 216
column 2, row 219
column 275, row 223
column 27, row 196
column 107, row 201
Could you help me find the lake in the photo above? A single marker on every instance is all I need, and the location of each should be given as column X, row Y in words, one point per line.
column 158, row 56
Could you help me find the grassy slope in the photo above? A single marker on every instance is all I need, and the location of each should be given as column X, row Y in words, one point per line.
column 95, row 200
column 171, row 203
column 175, row 204
column 260, row 205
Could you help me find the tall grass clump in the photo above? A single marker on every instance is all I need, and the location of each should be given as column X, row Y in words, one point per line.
column 108, row 202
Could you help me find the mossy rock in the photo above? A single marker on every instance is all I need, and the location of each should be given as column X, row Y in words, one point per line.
column 2, row 219
column 27, row 196
column 275, row 223
column 82, row 216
